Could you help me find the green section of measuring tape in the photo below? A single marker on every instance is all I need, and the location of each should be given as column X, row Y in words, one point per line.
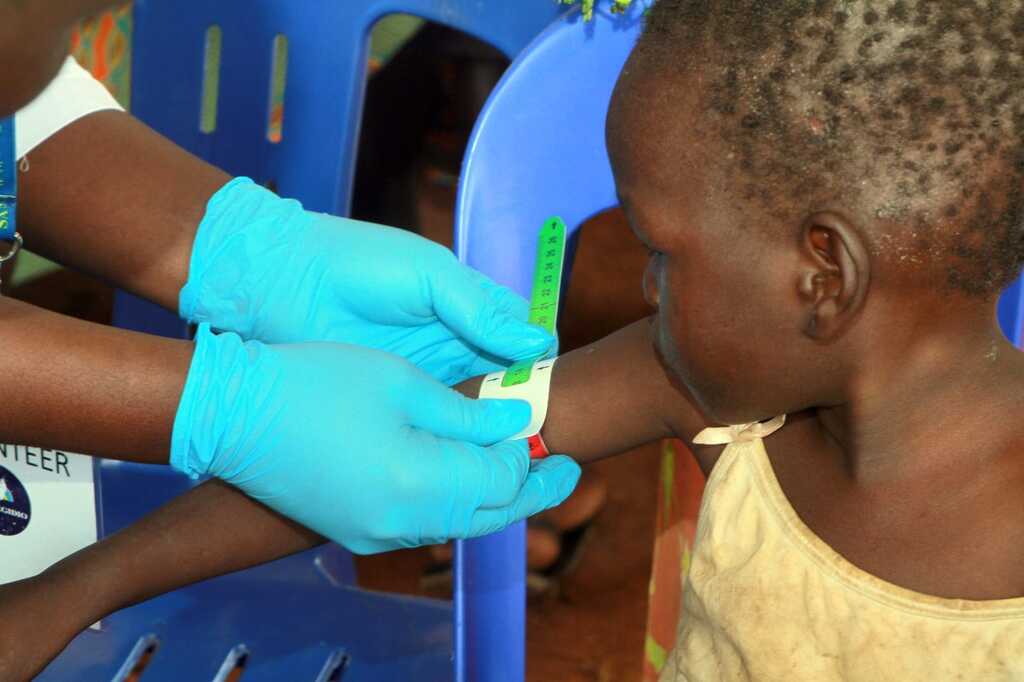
column 547, row 287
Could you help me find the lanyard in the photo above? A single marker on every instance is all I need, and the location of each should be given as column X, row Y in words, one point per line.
column 8, row 181
column 8, row 188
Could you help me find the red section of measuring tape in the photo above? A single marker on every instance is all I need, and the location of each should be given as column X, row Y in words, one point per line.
column 538, row 448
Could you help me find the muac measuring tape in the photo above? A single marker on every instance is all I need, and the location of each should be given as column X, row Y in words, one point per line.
column 530, row 380
column 8, row 189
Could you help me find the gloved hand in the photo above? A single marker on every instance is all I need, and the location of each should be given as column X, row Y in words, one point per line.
column 267, row 269
column 357, row 444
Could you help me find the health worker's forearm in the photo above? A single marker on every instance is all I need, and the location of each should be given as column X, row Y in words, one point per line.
column 108, row 196
column 611, row 396
column 209, row 531
column 83, row 387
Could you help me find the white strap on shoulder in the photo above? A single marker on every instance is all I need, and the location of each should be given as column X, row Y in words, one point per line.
column 74, row 93
column 739, row 433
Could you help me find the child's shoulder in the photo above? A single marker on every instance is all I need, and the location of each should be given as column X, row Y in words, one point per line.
column 954, row 530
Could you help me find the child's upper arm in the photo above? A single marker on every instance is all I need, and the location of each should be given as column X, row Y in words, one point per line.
column 611, row 396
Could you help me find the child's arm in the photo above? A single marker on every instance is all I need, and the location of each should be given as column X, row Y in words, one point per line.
column 211, row 530
column 611, row 396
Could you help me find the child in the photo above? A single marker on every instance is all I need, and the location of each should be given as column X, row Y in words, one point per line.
column 831, row 194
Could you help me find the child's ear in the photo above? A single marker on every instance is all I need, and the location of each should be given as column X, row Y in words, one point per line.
column 835, row 276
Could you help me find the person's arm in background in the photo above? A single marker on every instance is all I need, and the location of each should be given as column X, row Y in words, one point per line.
column 108, row 196
column 211, row 530
column 605, row 398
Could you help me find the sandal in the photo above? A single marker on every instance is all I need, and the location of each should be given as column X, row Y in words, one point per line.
column 555, row 542
column 437, row 577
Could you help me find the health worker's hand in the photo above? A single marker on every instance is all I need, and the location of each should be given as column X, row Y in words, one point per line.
column 266, row 269
column 358, row 445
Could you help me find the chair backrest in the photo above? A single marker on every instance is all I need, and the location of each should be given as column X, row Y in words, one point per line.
column 538, row 150
column 205, row 76
column 1011, row 312
column 327, row 49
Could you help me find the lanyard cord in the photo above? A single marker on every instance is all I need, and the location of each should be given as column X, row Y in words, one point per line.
column 8, row 188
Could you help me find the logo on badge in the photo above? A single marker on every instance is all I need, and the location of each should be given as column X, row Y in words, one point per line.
column 15, row 508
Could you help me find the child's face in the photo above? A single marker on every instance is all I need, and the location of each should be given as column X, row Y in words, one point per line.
column 728, row 315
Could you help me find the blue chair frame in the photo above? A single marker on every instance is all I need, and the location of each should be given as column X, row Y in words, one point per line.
column 538, row 150
column 320, row 619
column 327, row 58
column 1011, row 312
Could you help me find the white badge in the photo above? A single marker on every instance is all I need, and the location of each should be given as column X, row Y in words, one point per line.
column 47, row 508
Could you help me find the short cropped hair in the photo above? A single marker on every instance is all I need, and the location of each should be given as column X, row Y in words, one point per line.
column 912, row 109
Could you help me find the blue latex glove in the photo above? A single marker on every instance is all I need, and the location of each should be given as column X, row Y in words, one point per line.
column 358, row 445
column 267, row 269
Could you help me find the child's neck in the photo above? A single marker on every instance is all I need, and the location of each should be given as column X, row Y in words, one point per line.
column 943, row 398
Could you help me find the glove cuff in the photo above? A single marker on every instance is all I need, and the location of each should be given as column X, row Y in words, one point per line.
column 239, row 238
column 217, row 397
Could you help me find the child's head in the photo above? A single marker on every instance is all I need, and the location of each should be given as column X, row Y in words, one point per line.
column 818, row 180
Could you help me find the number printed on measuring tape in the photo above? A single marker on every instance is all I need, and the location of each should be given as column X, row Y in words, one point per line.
column 547, row 288
column 8, row 180
column 534, row 390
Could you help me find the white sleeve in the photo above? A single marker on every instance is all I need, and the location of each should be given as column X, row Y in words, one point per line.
column 74, row 93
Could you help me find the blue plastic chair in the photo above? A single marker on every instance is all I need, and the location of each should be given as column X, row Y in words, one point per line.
column 328, row 48
column 538, row 150
column 1011, row 312
column 300, row 618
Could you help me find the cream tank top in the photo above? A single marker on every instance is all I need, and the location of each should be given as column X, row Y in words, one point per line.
column 766, row 599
